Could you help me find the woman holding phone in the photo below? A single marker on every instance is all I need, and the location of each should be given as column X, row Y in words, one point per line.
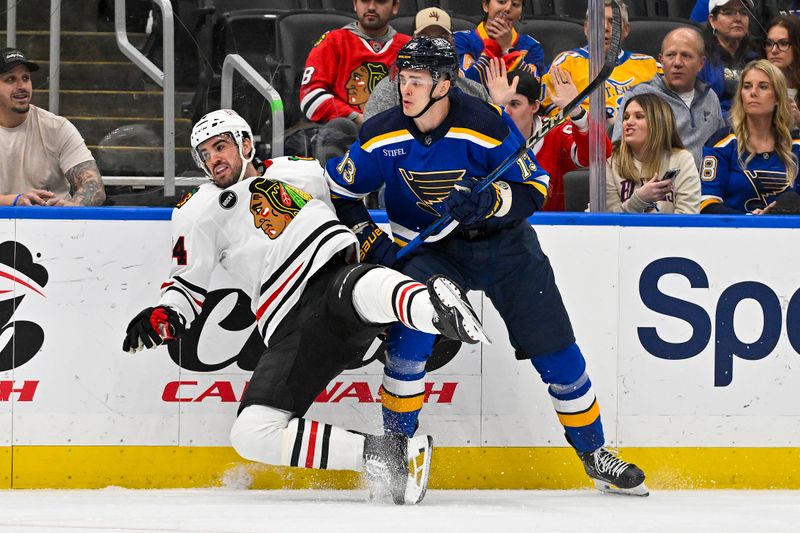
column 649, row 170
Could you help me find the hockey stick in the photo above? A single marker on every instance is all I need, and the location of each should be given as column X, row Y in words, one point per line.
column 446, row 221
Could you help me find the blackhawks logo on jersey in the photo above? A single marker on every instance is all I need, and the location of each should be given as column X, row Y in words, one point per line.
column 362, row 81
column 274, row 205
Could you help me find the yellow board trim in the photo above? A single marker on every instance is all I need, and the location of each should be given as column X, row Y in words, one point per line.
column 150, row 467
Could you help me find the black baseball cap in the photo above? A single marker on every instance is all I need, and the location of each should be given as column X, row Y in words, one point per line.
column 529, row 85
column 11, row 57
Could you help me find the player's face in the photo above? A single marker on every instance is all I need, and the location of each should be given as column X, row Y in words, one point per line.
column 731, row 21
column 221, row 156
column 357, row 93
column 508, row 9
column 681, row 60
column 415, row 90
column 634, row 126
column 758, row 95
column 777, row 38
column 375, row 14
column 522, row 112
column 266, row 218
column 16, row 89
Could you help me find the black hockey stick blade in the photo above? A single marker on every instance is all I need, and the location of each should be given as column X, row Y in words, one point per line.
column 550, row 123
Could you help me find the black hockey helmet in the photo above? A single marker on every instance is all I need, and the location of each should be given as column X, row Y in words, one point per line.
column 435, row 55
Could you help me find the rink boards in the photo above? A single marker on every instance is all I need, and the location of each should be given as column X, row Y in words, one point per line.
column 690, row 326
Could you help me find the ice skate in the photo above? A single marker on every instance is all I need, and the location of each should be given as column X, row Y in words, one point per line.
column 613, row 475
column 455, row 317
column 397, row 467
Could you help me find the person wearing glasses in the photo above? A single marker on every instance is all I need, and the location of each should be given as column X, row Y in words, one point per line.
column 782, row 49
column 728, row 47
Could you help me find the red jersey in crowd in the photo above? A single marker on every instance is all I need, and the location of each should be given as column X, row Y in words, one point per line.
column 343, row 68
column 564, row 149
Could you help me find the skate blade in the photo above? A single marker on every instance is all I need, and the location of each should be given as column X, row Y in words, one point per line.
column 450, row 297
column 420, row 452
column 638, row 490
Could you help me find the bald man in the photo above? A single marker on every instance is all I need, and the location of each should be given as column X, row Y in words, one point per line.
column 695, row 106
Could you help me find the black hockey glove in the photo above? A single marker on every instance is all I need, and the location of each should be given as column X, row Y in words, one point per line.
column 469, row 206
column 152, row 327
column 376, row 247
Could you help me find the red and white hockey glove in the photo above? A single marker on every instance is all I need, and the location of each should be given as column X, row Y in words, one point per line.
column 153, row 327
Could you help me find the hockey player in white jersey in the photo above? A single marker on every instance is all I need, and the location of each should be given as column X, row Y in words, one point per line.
column 315, row 310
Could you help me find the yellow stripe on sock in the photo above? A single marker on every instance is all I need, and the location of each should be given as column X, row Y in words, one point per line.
column 575, row 420
column 402, row 405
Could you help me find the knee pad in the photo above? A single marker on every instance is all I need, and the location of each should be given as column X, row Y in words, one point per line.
column 409, row 344
column 257, row 433
column 563, row 367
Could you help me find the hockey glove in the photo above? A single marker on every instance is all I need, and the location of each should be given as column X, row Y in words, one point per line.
column 376, row 247
column 469, row 206
column 152, row 327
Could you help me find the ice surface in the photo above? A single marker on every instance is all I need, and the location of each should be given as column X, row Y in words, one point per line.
column 231, row 510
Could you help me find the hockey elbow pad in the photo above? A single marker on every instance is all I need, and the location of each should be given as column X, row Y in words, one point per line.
column 153, row 327
column 376, row 247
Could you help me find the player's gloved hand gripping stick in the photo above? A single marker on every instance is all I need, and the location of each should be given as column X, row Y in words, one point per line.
column 442, row 227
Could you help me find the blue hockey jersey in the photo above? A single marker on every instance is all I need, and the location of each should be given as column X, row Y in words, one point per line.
column 724, row 181
column 475, row 48
column 419, row 169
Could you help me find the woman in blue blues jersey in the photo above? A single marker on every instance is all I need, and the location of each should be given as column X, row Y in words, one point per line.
column 496, row 37
column 746, row 167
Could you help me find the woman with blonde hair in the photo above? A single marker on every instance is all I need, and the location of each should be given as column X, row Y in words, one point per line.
column 649, row 170
column 746, row 167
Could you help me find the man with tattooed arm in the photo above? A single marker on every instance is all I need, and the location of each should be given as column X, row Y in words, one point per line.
column 44, row 159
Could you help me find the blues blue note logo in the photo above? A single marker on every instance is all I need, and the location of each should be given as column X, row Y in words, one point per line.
column 431, row 188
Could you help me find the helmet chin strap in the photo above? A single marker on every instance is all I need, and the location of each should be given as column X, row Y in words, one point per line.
column 245, row 161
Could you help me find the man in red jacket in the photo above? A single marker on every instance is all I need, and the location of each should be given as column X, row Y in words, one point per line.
column 566, row 147
column 345, row 64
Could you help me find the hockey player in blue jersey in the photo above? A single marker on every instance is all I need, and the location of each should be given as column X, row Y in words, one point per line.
column 430, row 152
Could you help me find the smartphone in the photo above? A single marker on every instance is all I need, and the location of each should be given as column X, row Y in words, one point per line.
column 670, row 174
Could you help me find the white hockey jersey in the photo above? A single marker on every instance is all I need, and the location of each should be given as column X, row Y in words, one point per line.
column 271, row 233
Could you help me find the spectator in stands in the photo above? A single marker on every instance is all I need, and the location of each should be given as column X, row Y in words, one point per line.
column 694, row 105
column 782, row 49
column 431, row 22
column 764, row 10
column 746, row 167
column 495, row 37
column 728, row 48
column 631, row 68
column 566, row 147
column 636, row 174
column 44, row 159
column 346, row 64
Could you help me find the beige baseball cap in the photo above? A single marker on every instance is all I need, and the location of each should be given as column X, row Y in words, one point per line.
column 432, row 16
column 712, row 4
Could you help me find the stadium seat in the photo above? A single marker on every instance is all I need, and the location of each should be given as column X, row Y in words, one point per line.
column 464, row 8
column 407, row 7
column 647, row 33
column 577, row 8
column 555, row 34
column 297, row 33
column 670, row 8
column 576, row 190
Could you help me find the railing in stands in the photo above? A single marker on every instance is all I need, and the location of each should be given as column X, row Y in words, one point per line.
column 11, row 23
column 236, row 62
column 165, row 79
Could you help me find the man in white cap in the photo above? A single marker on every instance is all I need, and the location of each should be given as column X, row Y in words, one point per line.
column 431, row 22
